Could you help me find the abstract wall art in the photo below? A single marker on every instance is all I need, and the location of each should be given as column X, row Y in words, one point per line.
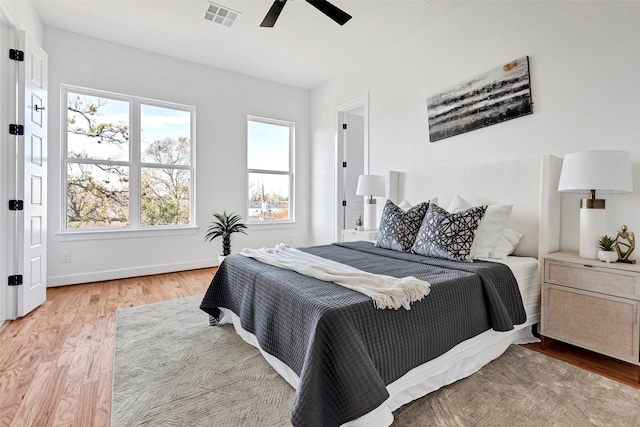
column 501, row 94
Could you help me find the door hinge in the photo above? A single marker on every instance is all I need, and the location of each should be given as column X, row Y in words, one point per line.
column 344, row 203
column 15, row 280
column 16, row 129
column 16, row 205
column 16, row 55
column 344, row 126
column 344, row 164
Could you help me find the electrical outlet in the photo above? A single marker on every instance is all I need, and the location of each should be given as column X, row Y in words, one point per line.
column 65, row 256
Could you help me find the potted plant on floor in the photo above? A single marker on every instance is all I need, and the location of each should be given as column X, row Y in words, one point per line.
column 607, row 252
column 224, row 226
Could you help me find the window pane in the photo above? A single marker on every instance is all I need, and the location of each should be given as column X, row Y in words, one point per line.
column 97, row 128
column 97, row 196
column 165, row 196
column 166, row 135
column 269, row 197
column 268, row 146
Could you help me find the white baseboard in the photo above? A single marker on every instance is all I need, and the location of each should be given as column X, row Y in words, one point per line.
column 99, row 276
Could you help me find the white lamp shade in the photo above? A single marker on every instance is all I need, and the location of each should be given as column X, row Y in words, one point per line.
column 607, row 171
column 371, row 185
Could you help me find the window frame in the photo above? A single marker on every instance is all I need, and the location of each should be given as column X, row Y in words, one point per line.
column 290, row 172
column 134, row 163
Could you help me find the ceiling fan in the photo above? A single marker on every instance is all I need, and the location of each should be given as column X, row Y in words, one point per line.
column 323, row 6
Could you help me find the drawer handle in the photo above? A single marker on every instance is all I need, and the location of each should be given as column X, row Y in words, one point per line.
column 585, row 265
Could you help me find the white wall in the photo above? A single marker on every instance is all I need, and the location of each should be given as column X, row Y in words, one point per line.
column 22, row 15
column 222, row 100
column 584, row 76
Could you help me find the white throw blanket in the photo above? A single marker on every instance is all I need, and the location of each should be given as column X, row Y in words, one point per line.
column 386, row 291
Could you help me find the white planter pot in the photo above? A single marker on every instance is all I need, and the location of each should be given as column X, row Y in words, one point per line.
column 608, row 256
column 220, row 259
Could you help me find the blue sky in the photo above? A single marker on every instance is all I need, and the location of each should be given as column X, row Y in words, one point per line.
column 268, row 146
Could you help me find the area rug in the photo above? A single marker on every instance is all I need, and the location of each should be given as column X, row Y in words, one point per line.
column 172, row 369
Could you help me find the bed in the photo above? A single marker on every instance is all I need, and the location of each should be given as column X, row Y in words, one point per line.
column 352, row 363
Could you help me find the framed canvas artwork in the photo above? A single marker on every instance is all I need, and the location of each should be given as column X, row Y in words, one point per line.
column 501, row 94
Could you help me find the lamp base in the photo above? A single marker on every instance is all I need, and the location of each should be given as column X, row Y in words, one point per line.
column 370, row 215
column 592, row 227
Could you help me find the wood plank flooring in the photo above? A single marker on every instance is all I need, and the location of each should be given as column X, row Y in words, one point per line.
column 609, row 367
column 56, row 363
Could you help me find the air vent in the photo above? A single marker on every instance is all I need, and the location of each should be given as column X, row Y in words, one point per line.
column 220, row 15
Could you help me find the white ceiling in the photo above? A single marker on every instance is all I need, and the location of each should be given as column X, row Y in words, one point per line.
column 304, row 49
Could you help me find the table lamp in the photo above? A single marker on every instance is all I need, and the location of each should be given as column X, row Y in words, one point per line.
column 605, row 171
column 371, row 186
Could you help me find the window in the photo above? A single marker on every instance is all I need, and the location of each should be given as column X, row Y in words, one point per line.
column 128, row 162
column 270, row 168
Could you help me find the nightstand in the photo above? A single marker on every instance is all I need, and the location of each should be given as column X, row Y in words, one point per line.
column 592, row 304
column 355, row 235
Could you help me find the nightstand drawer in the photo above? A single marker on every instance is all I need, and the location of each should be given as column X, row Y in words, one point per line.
column 611, row 281
column 602, row 323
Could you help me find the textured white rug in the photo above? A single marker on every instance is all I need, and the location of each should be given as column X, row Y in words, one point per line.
column 172, row 369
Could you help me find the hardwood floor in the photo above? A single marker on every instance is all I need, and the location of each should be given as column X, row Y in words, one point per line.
column 56, row 362
column 614, row 369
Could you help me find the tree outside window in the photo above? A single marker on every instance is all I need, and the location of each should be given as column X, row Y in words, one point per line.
column 119, row 178
column 270, row 169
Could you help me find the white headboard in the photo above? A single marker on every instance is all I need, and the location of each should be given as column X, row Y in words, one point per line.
column 531, row 185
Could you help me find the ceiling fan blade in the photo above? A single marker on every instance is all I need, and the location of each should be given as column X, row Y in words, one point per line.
column 273, row 14
column 338, row 15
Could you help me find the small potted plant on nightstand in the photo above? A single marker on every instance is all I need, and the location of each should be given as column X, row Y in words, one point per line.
column 607, row 252
column 224, row 226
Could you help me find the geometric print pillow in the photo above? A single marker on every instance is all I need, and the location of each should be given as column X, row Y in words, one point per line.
column 398, row 228
column 448, row 235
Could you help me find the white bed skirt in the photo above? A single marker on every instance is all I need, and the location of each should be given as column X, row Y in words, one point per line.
column 461, row 361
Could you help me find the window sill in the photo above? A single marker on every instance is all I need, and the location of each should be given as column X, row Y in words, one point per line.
column 270, row 225
column 75, row 236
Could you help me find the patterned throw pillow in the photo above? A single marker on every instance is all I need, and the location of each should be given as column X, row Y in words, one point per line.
column 398, row 228
column 448, row 235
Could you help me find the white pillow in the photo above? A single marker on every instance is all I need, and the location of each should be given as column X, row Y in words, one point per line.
column 489, row 230
column 458, row 204
column 405, row 205
column 507, row 243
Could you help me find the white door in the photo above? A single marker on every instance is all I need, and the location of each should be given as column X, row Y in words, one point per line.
column 32, row 176
column 7, row 159
column 354, row 158
column 352, row 149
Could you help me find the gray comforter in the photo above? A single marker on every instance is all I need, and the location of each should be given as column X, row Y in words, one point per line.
column 346, row 351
